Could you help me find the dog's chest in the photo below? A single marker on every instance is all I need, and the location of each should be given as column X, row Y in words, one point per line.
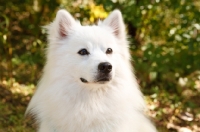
column 94, row 113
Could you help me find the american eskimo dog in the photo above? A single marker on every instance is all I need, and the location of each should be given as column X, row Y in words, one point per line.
column 88, row 83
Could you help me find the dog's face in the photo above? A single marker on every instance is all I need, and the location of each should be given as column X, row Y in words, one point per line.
column 93, row 53
column 88, row 54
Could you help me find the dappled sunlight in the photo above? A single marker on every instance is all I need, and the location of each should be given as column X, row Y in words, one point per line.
column 17, row 88
column 14, row 98
column 173, row 112
column 164, row 44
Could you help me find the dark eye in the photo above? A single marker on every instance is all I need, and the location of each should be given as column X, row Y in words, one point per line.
column 83, row 52
column 109, row 51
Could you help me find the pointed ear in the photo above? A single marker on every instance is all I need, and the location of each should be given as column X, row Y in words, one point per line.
column 65, row 22
column 115, row 22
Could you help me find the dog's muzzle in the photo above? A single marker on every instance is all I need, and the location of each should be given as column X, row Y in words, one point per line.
column 104, row 70
column 104, row 73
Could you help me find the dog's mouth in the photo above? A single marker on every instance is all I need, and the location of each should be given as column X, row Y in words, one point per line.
column 99, row 80
column 104, row 79
column 83, row 80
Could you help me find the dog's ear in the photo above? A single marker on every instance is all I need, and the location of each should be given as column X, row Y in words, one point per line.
column 115, row 22
column 65, row 22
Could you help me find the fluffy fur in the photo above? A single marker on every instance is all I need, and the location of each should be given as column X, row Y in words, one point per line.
column 63, row 103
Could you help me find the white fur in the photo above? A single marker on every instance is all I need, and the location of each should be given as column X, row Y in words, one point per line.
column 62, row 103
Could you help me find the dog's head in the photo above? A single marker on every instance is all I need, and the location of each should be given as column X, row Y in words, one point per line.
column 88, row 54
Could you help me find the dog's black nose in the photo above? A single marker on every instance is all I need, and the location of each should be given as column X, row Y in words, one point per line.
column 105, row 67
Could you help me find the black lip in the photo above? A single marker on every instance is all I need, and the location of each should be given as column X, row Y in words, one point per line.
column 104, row 79
column 83, row 80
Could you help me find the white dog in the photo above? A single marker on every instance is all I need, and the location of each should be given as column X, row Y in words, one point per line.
column 88, row 83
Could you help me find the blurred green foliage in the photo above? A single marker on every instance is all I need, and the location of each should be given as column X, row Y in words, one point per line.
column 164, row 41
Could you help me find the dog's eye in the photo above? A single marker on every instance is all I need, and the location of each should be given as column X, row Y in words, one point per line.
column 109, row 51
column 83, row 52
